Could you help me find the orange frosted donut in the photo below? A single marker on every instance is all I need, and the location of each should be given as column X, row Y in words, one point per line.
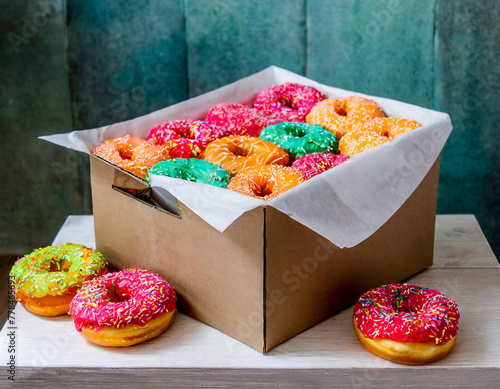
column 234, row 153
column 391, row 127
column 132, row 154
column 265, row 182
column 358, row 141
column 343, row 115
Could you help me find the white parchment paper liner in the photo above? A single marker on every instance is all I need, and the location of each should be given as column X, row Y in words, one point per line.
column 345, row 205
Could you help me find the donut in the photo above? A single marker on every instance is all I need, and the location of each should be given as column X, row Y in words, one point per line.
column 360, row 140
column 234, row 153
column 408, row 324
column 311, row 165
column 343, row 115
column 46, row 280
column 192, row 135
column 191, row 169
column 265, row 182
column 240, row 119
column 290, row 100
column 391, row 127
column 299, row 139
column 123, row 308
column 132, row 154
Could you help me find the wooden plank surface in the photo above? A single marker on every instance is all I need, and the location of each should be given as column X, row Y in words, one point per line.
column 126, row 59
column 378, row 47
column 230, row 39
column 467, row 87
column 190, row 352
column 459, row 241
column 41, row 183
column 331, row 346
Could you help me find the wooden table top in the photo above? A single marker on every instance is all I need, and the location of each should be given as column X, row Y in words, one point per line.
column 191, row 354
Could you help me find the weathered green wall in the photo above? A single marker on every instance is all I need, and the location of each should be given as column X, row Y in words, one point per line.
column 91, row 62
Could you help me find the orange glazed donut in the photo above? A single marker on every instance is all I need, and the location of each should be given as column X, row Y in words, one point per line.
column 132, row 154
column 358, row 141
column 265, row 182
column 343, row 115
column 391, row 127
column 234, row 153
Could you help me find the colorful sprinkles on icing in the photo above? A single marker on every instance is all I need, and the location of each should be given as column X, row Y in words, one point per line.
column 192, row 169
column 53, row 270
column 291, row 100
column 117, row 299
column 316, row 163
column 240, row 119
column 407, row 313
column 299, row 139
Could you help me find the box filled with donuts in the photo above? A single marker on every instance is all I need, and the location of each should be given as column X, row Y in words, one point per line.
column 269, row 204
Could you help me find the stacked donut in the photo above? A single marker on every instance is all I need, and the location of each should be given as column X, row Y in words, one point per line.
column 290, row 134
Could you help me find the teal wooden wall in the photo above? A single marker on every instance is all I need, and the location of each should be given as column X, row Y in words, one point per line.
column 74, row 64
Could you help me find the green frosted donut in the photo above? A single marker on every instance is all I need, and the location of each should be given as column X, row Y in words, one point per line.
column 53, row 270
column 299, row 139
column 191, row 169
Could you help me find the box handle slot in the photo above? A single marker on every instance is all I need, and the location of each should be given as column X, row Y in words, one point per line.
column 160, row 199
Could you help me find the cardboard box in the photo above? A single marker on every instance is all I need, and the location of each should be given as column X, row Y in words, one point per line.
column 267, row 276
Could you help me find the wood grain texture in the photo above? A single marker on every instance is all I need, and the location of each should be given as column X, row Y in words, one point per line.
column 126, row 59
column 228, row 40
column 382, row 47
column 460, row 243
column 50, row 348
column 467, row 81
column 34, row 101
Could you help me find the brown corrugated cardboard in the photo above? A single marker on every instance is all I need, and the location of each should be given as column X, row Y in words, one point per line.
column 266, row 277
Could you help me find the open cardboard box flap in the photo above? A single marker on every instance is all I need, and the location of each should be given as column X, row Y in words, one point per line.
column 345, row 205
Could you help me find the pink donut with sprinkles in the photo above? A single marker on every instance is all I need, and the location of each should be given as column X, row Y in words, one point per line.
column 189, row 137
column 408, row 324
column 294, row 101
column 123, row 308
column 240, row 119
column 316, row 163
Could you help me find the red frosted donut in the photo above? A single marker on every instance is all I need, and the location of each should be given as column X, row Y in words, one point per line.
column 240, row 119
column 316, row 163
column 291, row 100
column 192, row 134
column 407, row 324
column 123, row 308
column 132, row 154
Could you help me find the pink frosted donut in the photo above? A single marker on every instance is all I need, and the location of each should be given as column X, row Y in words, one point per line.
column 316, row 163
column 123, row 308
column 240, row 119
column 407, row 324
column 194, row 134
column 291, row 100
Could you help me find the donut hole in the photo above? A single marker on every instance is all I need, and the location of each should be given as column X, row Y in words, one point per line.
column 125, row 153
column 56, row 266
column 241, row 151
column 117, row 295
column 262, row 189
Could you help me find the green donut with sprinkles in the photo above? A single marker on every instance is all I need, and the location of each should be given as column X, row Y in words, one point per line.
column 191, row 169
column 299, row 139
column 46, row 280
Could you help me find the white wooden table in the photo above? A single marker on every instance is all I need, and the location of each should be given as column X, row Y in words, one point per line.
column 50, row 353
